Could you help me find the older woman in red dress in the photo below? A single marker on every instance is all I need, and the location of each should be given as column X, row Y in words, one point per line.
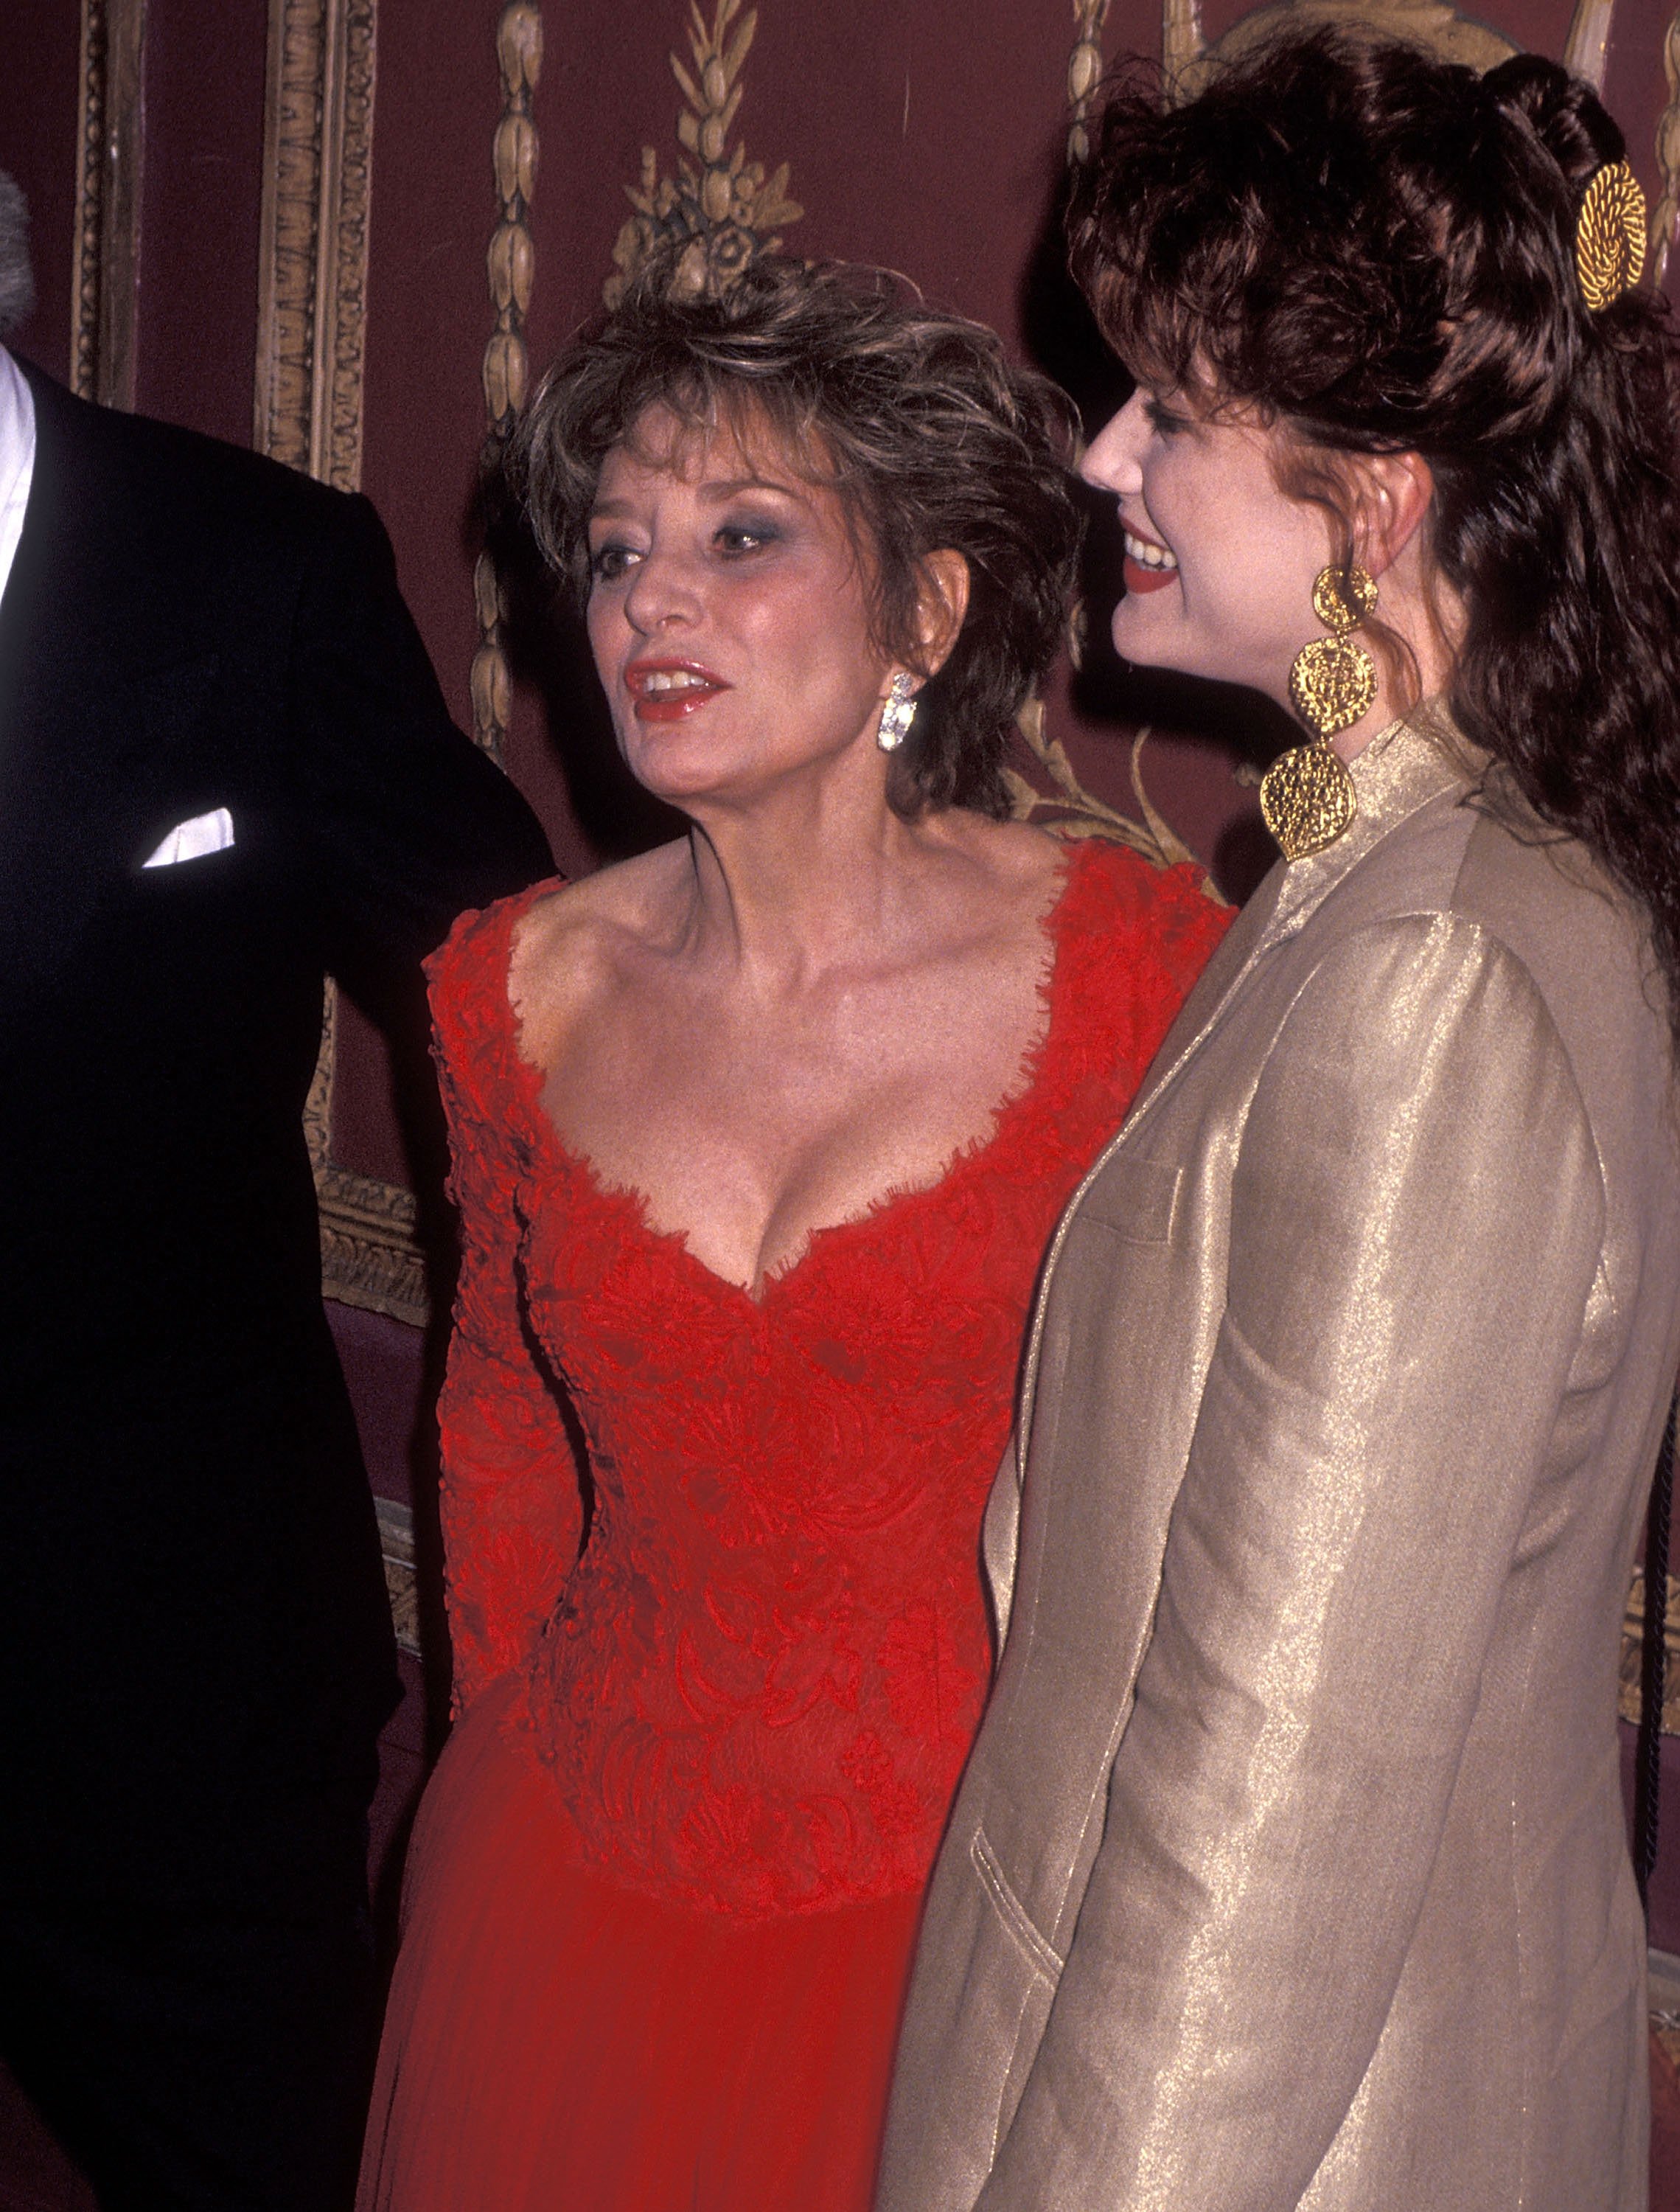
column 758, row 1140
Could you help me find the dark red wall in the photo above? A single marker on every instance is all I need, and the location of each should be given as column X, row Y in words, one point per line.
column 924, row 134
column 41, row 44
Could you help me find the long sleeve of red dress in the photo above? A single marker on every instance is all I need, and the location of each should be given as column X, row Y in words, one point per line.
column 510, row 1506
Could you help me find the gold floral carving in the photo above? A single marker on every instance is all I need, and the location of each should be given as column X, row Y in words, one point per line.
column 313, row 283
column 720, row 209
column 1182, row 42
column 1084, row 72
column 1070, row 811
column 1432, row 24
column 511, row 265
column 1668, row 161
column 109, row 161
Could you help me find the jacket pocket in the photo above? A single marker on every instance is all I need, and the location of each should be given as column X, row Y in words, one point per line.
column 1041, row 1954
column 1136, row 1198
column 1035, row 1989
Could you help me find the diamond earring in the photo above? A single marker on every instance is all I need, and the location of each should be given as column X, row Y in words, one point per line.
column 898, row 711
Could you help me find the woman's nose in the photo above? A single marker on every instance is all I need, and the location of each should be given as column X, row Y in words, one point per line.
column 1112, row 459
column 661, row 593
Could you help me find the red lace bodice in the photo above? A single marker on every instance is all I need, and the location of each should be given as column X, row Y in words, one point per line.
column 757, row 1684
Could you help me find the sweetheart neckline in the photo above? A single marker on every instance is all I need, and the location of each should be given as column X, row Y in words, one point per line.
column 529, row 1076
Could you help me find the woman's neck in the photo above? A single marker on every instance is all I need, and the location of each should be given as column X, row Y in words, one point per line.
column 1421, row 621
column 792, row 883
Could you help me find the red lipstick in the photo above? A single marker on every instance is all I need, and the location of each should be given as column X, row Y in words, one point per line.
column 1140, row 579
column 669, row 691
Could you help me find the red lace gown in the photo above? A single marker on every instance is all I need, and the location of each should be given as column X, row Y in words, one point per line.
column 663, row 1892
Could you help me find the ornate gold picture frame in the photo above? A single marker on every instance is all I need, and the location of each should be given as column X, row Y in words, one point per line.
column 109, row 166
column 311, row 314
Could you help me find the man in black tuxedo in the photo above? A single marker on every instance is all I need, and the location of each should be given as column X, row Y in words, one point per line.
column 225, row 770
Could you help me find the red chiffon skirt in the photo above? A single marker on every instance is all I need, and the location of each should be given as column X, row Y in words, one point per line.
column 556, row 2042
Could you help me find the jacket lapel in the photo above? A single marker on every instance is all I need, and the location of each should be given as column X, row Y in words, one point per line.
column 1400, row 770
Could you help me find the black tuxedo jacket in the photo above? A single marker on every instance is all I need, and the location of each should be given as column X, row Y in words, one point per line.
column 195, row 1650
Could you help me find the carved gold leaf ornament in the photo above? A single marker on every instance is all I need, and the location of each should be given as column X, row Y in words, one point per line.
column 1633, row 1650
column 1668, row 157
column 1609, row 236
column 1070, row 811
column 721, row 211
column 510, row 263
column 1433, row 25
column 1084, row 73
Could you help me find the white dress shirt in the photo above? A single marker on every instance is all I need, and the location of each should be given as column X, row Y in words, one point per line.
column 18, row 458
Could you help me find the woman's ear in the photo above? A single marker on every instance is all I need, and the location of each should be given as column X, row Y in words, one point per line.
column 942, row 602
column 1392, row 496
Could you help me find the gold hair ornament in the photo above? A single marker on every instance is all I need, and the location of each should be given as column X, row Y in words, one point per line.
column 1609, row 236
column 1307, row 795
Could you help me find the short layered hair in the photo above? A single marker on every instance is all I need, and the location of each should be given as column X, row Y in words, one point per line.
column 915, row 418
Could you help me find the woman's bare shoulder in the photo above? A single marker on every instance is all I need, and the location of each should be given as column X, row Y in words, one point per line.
column 1008, row 866
column 580, row 940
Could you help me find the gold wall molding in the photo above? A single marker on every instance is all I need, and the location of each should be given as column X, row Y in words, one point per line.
column 1084, row 72
column 1433, row 24
column 1182, row 42
column 317, row 1105
column 720, row 210
column 312, row 311
column 397, row 1550
column 511, row 267
column 1586, row 49
column 312, row 281
column 105, row 276
column 370, row 1257
column 1668, row 161
column 1633, row 1646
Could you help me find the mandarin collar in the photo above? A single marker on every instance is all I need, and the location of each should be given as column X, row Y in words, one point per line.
column 1402, row 769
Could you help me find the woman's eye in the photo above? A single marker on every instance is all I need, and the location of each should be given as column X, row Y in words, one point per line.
column 607, row 563
column 739, row 538
column 1164, row 422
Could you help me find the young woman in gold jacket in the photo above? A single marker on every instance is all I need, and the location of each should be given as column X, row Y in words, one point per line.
column 1289, row 1868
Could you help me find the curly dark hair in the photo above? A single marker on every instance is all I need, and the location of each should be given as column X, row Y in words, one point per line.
column 1376, row 249
column 916, row 418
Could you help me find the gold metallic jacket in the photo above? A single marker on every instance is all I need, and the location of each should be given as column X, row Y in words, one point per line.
column 1289, row 1868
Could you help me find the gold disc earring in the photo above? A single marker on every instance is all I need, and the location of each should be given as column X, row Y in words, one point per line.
column 1307, row 795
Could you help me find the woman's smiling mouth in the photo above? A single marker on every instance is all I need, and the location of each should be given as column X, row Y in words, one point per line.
column 666, row 691
column 1149, row 566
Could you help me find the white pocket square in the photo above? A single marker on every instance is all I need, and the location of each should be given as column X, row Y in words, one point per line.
column 190, row 841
